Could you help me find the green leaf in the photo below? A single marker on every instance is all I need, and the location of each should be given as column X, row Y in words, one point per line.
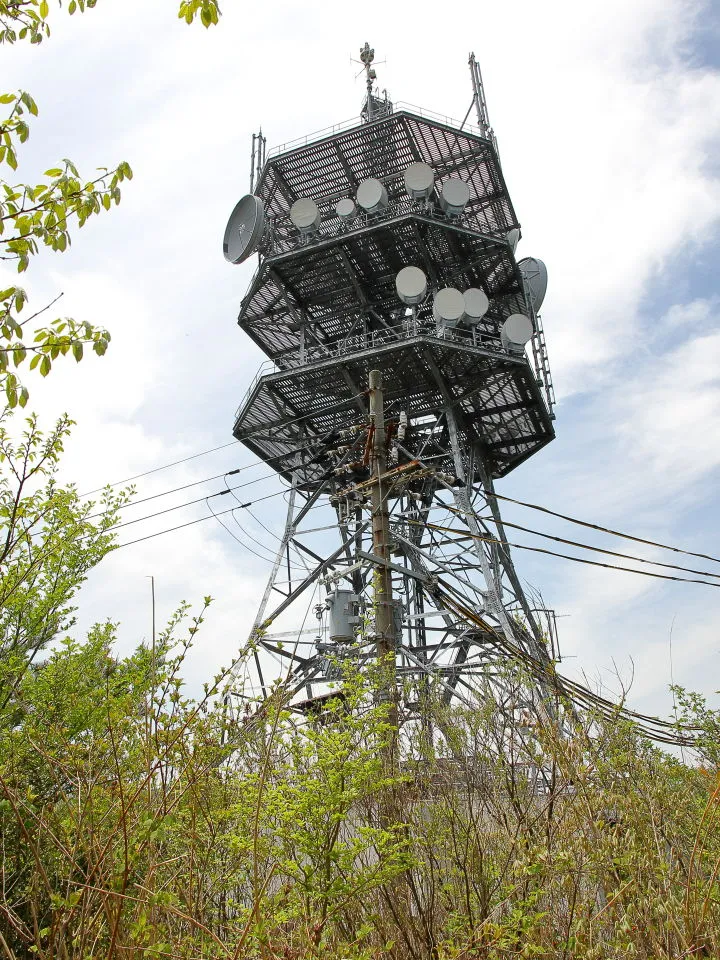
column 44, row 9
column 53, row 172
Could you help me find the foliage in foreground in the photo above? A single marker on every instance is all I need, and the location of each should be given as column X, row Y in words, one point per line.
column 36, row 215
column 137, row 822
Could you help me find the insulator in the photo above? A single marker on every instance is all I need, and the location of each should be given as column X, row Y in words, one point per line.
column 402, row 425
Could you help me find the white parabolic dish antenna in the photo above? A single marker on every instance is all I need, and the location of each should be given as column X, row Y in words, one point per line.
column 345, row 208
column 305, row 215
column 372, row 195
column 516, row 332
column 534, row 273
column 476, row 303
column 454, row 196
column 244, row 229
column 449, row 306
column 411, row 285
column 419, row 180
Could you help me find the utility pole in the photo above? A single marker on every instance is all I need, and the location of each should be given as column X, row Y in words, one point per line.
column 384, row 615
column 383, row 600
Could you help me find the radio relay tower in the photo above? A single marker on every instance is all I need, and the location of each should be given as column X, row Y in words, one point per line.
column 407, row 372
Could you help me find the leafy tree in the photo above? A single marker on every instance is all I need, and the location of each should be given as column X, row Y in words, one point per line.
column 43, row 214
column 50, row 540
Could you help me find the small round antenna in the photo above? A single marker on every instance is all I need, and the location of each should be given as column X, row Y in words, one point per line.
column 346, row 209
column 305, row 215
column 372, row 195
column 476, row 304
column 454, row 196
column 244, row 229
column 512, row 237
column 516, row 332
column 449, row 307
column 534, row 273
column 411, row 286
column 419, row 180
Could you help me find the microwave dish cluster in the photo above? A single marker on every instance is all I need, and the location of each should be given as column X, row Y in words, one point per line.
column 246, row 226
column 451, row 307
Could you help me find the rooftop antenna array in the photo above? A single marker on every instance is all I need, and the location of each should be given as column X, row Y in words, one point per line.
column 374, row 107
column 257, row 158
column 409, row 374
column 479, row 102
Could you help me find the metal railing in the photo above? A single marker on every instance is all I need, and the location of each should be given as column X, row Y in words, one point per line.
column 401, row 107
column 408, row 329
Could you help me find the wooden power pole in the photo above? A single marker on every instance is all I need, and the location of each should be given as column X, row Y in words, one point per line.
column 384, row 609
column 384, row 613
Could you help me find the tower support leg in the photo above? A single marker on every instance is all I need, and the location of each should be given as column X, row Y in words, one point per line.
column 462, row 499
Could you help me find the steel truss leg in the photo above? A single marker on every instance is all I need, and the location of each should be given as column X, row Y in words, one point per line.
column 260, row 616
column 462, row 500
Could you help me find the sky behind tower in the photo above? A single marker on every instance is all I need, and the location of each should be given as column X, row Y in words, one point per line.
column 608, row 122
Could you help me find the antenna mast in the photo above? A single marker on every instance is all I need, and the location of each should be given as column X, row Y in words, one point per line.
column 480, row 102
column 367, row 55
column 374, row 108
column 257, row 158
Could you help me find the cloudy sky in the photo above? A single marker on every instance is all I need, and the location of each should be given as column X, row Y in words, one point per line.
column 608, row 120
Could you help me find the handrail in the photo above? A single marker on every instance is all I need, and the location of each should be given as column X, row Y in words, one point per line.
column 400, row 107
column 409, row 329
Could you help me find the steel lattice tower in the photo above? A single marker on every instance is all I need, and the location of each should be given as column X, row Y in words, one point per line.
column 335, row 219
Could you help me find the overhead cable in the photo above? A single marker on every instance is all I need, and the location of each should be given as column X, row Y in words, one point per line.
column 195, row 483
column 595, row 526
column 166, row 466
column 190, row 503
column 180, row 526
column 612, row 553
column 565, row 556
column 654, row 727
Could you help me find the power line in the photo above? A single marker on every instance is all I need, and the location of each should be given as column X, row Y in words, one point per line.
column 653, row 727
column 457, row 537
column 195, row 483
column 564, row 556
column 180, row 526
column 165, row 466
column 237, row 539
column 612, row 553
column 258, row 543
column 594, row 526
column 223, row 446
column 190, row 503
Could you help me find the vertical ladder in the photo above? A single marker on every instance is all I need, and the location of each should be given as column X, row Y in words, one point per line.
column 542, row 365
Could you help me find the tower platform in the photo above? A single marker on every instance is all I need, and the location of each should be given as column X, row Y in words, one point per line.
column 496, row 398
